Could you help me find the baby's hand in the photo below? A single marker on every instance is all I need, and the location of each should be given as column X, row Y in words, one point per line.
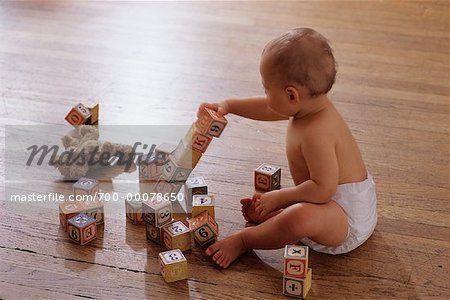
column 221, row 107
column 266, row 203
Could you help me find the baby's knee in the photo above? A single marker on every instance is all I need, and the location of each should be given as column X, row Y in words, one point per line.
column 297, row 218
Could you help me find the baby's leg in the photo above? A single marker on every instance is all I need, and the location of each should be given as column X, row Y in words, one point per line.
column 324, row 223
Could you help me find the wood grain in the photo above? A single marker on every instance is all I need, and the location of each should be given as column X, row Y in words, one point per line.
column 153, row 63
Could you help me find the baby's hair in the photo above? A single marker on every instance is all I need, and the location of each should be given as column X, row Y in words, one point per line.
column 303, row 56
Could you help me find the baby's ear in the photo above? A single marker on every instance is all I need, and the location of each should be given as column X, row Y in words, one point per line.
column 293, row 94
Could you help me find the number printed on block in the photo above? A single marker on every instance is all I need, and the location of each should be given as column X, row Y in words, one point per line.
column 133, row 209
column 176, row 236
column 297, row 287
column 86, row 186
column 157, row 212
column 204, row 228
column 201, row 203
column 267, row 177
column 173, row 265
column 295, row 261
column 210, row 123
column 68, row 210
column 82, row 229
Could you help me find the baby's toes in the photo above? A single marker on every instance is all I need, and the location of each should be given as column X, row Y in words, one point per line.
column 212, row 249
column 225, row 263
column 246, row 202
column 221, row 260
column 217, row 255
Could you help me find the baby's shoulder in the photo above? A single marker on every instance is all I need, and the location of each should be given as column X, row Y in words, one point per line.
column 313, row 126
column 315, row 131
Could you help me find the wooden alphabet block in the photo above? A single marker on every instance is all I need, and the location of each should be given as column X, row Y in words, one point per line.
column 172, row 172
column 153, row 233
column 93, row 108
column 95, row 209
column 197, row 140
column 297, row 287
column 267, row 177
column 295, row 261
column 149, row 168
column 68, row 210
column 82, row 229
column 211, row 123
column 196, row 186
column 163, row 151
column 78, row 115
column 167, row 189
column 186, row 156
column 173, row 265
column 86, row 186
column 201, row 203
column 204, row 228
column 157, row 212
column 133, row 209
column 176, row 236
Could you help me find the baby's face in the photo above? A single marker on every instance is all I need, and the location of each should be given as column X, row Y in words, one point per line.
column 277, row 96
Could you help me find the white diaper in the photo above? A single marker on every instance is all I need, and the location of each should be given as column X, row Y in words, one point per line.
column 359, row 202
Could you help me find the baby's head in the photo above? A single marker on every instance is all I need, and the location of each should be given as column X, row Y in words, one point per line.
column 298, row 65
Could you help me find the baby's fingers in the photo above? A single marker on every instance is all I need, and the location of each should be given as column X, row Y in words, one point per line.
column 258, row 209
column 221, row 110
column 256, row 196
column 262, row 213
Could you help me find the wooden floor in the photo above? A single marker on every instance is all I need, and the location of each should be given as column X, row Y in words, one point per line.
column 153, row 63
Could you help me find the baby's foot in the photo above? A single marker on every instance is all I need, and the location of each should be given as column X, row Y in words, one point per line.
column 226, row 251
column 246, row 202
column 248, row 211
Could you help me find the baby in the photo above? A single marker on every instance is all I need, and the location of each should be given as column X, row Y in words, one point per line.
column 332, row 207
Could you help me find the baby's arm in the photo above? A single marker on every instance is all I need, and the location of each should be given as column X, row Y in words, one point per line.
column 255, row 108
column 319, row 153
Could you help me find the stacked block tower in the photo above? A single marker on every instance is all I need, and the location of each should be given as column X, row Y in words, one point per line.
column 80, row 218
column 167, row 170
column 297, row 276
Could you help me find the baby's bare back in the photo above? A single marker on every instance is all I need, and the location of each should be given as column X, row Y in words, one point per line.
column 326, row 124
